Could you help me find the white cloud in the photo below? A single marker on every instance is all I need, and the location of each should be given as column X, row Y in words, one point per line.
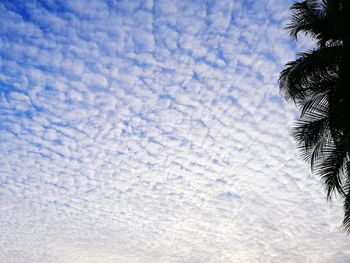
column 153, row 132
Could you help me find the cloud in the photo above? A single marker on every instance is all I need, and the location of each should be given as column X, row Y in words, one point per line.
column 153, row 132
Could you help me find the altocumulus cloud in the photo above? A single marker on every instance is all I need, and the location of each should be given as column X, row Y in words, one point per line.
column 153, row 131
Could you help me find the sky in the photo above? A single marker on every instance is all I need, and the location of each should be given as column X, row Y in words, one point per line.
column 154, row 131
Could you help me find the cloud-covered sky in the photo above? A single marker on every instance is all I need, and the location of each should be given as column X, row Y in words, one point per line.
column 154, row 131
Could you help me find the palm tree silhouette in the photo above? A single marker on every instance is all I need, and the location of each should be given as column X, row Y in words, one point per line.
column 318, row 81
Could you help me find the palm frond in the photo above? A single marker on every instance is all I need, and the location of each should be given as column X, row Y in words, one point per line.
column 306, row 16
column 315, row 85
column 318, row 153
column 312, row 128
column 308, row 133
column 316, row 102
column 314, row 18
column 332, row 170
column 315, row 65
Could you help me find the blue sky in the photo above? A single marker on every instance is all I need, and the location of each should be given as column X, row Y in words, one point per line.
column 154, row 131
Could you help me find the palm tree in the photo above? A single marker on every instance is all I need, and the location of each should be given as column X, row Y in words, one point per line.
column 318, row 81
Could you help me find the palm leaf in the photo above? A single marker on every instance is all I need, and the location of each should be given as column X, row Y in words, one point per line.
column 313, row 125
column 316, row 19
column 317, row 102
column 316, row 64
column 306, row 16
column 318, row 152
column 331, row 169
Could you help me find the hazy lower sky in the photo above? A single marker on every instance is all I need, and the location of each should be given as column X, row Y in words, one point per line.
column 154, row 131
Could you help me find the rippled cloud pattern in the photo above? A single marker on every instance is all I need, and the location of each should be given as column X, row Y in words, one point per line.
column 153, row 131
